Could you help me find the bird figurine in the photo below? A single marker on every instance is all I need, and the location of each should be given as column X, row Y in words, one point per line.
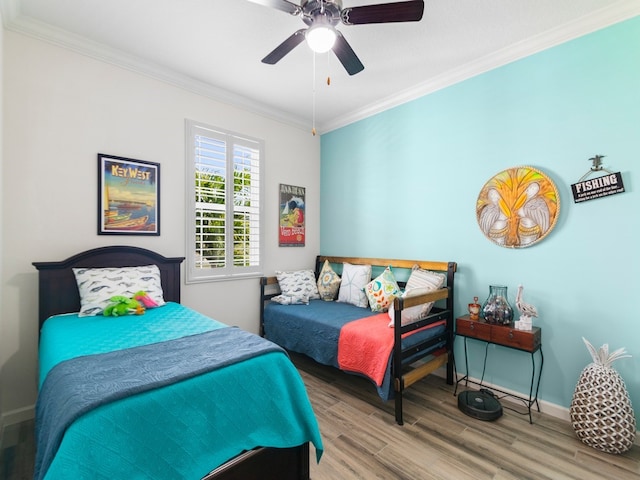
column 527, row 311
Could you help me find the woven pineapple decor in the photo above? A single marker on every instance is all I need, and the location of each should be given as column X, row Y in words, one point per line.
column 601, row 411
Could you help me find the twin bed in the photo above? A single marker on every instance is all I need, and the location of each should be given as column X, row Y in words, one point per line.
column 167, row 394
column 359, row 340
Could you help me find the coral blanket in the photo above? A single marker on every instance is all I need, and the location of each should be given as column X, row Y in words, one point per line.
column 365, row 346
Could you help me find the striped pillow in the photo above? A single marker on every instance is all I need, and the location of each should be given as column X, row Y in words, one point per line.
column 428, row 280
column 410, row 314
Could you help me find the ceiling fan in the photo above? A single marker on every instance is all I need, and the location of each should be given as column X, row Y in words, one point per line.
column 322, row 16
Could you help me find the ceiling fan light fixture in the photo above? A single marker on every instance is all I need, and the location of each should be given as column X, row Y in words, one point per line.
column 321, row 38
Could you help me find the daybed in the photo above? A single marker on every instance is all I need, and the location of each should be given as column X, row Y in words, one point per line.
column 215, row 422
column 393, row 349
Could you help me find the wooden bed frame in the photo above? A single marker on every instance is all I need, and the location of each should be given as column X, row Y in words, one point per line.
column 58, row 293
column 402, row 377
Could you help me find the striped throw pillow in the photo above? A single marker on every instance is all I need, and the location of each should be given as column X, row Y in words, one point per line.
column 428, row 280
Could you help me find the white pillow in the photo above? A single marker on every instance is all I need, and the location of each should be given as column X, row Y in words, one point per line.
column 96, row 286
column 354, row 279
column 297, row 283
column 291, row 299
column 411, row 314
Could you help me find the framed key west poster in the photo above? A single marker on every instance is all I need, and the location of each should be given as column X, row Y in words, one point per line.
column 292, row 216
column 128, row 196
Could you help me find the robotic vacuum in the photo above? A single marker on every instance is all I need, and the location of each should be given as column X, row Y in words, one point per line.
column 481, row 404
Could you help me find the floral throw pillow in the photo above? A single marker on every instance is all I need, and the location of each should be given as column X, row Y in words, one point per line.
column 382, row 290
column 328, row 282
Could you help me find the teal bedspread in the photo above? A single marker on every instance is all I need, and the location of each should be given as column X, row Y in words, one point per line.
column 182, row 430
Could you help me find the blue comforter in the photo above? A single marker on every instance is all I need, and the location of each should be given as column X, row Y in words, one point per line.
column 187, row 421
column 314, row 330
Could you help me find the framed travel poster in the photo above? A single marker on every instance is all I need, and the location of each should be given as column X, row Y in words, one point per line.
column 128, row 196
column 292, row 215
column 518, row 207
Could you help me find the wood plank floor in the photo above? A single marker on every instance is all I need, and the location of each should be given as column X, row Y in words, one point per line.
column 437, row 441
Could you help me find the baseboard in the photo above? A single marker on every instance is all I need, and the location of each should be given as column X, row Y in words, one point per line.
column 14, row 417
column 17, row 416
column 548, row 408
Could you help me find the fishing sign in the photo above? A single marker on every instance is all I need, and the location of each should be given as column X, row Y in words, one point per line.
column 603, row 186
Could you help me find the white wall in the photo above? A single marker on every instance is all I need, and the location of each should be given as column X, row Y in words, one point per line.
column 61, row 109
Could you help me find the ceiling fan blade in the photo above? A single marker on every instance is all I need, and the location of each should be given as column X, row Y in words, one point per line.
column 347, row 56
column 282, row 5
column 410, row 11
column 285, row 47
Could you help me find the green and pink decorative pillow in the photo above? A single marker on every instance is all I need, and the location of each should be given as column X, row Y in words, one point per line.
column 382, row 290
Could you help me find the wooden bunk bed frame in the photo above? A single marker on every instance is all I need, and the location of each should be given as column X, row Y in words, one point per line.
column 58, row 293
column 402, row 377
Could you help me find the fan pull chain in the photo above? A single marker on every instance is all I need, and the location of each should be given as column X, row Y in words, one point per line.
column 313, row 120
column 313, row 127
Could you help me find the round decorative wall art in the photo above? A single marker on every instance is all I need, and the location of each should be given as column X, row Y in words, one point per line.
column 518, row 207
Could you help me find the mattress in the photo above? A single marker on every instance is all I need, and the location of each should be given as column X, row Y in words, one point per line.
column 180, row 430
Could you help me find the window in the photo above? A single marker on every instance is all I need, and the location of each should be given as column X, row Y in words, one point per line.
column 224, row 174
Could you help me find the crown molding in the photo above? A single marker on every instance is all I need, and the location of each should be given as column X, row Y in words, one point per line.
column 47, row 33
column 9, row 10
column 620, row 11
column 623, row 10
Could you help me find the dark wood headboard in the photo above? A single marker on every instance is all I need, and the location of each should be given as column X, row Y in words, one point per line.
column 58, row 291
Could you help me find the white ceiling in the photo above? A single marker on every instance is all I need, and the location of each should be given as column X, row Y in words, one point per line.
column 214, row 47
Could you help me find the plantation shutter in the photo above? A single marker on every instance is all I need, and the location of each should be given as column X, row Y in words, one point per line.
column 224, row 177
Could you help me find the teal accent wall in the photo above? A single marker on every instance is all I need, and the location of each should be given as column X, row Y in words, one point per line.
column 404, row 184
